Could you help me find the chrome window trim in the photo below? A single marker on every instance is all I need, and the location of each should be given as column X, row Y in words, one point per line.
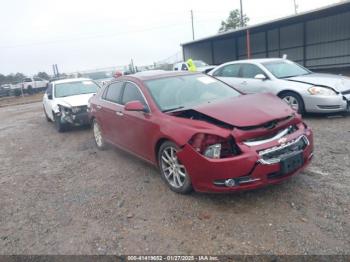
column 124, row 81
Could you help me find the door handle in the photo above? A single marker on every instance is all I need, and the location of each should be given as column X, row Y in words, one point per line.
column 119, row 113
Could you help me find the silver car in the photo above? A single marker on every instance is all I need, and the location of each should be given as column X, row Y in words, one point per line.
column 302, row 89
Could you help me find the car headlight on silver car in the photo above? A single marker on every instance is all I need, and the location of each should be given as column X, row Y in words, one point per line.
column 319, row 90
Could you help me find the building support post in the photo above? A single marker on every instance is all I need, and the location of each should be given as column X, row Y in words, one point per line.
column 248, row 44
column 304, row 43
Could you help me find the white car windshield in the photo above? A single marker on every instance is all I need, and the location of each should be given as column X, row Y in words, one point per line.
column 75, row 88
column 285, row 69
column 178, row 92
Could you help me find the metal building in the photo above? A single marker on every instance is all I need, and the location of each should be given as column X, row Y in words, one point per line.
column 318, row 39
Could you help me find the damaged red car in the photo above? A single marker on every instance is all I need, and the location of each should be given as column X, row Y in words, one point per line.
column 201, row 133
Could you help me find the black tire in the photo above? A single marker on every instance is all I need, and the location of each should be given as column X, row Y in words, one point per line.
column 99, row 141
column 59, row 125
column 298, row 99
column 46, row 116
column 30, row 90
column 187, row 185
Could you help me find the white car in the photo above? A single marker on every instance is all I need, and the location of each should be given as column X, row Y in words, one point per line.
column 34, row 84
column 303, row 90
column 200, row 65
column 65, row 102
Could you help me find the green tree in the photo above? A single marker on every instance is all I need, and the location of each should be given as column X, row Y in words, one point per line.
column 233, row 21
column 43, row 75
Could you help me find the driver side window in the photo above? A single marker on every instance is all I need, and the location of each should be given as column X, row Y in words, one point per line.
column 132, row 93
column 250, row 71
column 49, row 90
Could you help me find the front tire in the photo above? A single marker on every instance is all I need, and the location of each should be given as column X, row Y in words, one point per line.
column 294, row 101
column 99, row 141
column 172, row 170
column 59, row 125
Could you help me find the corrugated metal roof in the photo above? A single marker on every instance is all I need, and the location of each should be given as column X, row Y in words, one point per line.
column 345, row 4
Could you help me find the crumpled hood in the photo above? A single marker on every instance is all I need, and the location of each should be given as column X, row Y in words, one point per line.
column 337, row 82
column 71, row 101
column 247, row 110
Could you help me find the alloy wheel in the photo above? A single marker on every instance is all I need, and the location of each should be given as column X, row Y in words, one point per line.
column 174, row 172
column 292, row 102
column 98, row 135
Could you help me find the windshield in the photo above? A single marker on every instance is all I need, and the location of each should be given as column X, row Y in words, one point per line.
column 189, row 90
column 285, row 69
column 199, row 63
column 75, row 88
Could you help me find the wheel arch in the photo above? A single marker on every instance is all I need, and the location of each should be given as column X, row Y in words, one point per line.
column 289, row 91
column 158, row 144
column 296, row 93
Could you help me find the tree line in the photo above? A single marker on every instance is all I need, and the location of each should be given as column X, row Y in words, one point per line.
column 18, row 77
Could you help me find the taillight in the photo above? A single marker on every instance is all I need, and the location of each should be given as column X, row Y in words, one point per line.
column 213, row 146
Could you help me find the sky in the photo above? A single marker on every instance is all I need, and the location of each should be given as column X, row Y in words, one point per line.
column 83, row 34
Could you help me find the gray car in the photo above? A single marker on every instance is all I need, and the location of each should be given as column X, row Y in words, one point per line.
column 302, row 89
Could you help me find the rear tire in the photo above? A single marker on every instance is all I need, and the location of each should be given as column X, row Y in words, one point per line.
column 173, row 172
column 99, row 141
column 294, row 101
column 30, row 90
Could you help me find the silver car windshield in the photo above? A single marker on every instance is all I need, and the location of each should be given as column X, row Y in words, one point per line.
column 178, row 92
column 285, row 69
column 199, row 63
column 75, row 88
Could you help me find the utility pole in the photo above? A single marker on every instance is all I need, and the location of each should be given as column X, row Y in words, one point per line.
column 192, row 25
column 242, row 12
column 295, row 7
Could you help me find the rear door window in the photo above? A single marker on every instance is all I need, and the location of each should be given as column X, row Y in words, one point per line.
column 228, row 71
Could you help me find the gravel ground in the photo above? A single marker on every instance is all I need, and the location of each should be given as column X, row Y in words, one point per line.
column 60, row 195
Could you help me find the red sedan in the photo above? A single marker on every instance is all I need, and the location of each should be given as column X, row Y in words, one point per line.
column 201, row 133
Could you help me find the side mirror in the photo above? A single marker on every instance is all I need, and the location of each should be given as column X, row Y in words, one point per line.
column 49, row 96
column 260, row 77
column 135, row 106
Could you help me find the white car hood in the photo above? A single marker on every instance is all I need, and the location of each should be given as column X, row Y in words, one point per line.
column 71, row 101
column 337, row 82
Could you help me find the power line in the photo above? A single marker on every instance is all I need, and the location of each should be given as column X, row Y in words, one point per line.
column 101, row 36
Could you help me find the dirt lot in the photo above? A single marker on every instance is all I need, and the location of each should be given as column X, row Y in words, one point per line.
column 20, row 100
column 59, row 195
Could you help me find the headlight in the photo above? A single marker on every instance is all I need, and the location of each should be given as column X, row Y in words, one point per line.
column 213, row 146
column 323, row 91
column 213, row 151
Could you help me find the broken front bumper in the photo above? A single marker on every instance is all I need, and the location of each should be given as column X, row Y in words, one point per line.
column 77, row 119
column 246, row 171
